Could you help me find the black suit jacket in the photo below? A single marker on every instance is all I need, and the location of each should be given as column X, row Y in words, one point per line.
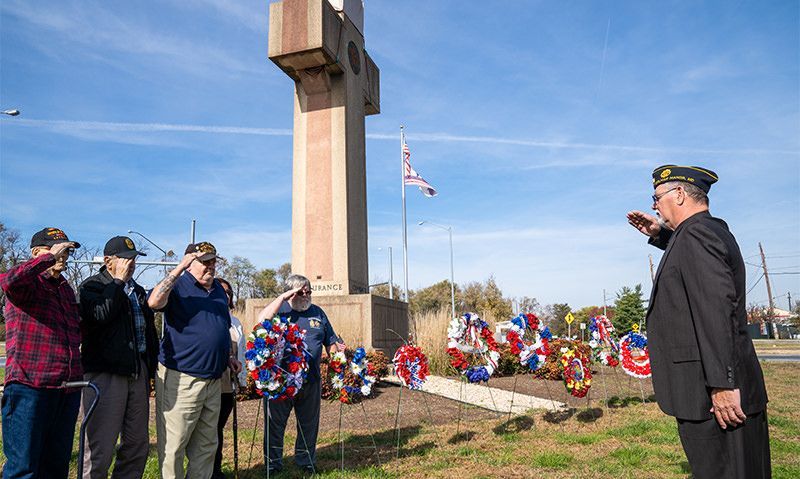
column 696, row 321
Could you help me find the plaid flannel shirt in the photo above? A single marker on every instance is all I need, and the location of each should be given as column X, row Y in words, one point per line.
column 43, row 335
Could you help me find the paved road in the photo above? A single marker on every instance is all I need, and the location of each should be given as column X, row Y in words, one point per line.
column 787, row 358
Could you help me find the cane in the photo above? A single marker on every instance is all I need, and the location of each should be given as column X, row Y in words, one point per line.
column 86, row 416
column 235, row 428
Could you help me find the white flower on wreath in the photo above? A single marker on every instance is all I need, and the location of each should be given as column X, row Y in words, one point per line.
column 366, row 390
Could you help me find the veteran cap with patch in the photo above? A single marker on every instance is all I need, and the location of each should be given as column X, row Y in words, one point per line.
column 49, row 237
column 121, row 247
column 700, row 177
column 207, row 249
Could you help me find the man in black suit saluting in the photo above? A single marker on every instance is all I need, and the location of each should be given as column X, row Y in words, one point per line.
column 705, row 370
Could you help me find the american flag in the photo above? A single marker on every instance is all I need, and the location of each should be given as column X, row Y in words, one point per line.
column 411, row 177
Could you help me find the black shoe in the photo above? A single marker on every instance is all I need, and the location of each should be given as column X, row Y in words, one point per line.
column 308, row 469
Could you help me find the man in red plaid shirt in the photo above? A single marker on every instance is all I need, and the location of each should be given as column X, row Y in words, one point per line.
column 42, row 348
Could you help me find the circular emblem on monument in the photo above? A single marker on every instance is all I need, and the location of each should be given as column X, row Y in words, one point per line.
column 355, row 57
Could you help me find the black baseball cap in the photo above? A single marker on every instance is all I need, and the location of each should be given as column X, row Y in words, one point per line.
column 208, row 250
column 49, row 237
column 121, row 247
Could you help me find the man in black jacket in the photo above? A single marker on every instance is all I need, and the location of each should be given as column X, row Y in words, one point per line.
column 119, row 350
column 705, row 370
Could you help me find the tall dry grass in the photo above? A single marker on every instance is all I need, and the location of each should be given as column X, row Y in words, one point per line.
column 430, row 333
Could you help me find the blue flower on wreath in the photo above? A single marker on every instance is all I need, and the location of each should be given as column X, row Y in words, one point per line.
column 359, row 355
column 478, row 374
column 545, row 333
column 259, row 343
column 636, row 340
column 521, row 322
column 250, row 354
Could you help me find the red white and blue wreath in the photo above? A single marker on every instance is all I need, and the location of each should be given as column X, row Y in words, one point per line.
column 528, row 342
column 577, row 372
column 604, row 349
column 470, row 337
column 634, row 353
column 411, row 366
column 351, row 378
column 277, row 358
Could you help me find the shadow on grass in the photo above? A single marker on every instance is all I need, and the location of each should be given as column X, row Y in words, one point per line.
column 589, row 415
column 516, row 424
column 463, row 436
column 559, row 416
column 616, row 402
column 360, row 455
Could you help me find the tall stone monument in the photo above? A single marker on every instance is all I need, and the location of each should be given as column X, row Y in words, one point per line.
column 320, row 45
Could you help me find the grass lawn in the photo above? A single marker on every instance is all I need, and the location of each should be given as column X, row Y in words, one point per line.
column 632, row 441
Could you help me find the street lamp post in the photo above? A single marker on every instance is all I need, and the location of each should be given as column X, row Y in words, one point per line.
column 449, row 230
column 165, row 253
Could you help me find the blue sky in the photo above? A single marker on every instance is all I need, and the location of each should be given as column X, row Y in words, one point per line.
column 538, row 123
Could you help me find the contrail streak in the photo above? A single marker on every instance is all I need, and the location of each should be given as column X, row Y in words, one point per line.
column 65, row 126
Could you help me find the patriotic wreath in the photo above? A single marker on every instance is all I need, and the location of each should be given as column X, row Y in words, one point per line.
column 577, row 372
column 634, row 353
column 351, row 375
column 601, row 328
column 411, row 366
column 470, row 335
column 277, row 358
column 531, row 353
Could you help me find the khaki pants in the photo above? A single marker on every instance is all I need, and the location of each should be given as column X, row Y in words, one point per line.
column 187, row 411
column 122, row 412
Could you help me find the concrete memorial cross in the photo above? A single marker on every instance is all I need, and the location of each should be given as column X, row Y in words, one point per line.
column 320, row 45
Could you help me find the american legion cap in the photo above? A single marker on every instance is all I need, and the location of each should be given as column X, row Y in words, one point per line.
column 702, row 178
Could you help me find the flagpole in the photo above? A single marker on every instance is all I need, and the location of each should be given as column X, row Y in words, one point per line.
column 405, row 226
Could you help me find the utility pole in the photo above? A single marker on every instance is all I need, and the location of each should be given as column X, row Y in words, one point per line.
column 771, row 312
column 789, row 294
column 652, row 271
column 605, row 310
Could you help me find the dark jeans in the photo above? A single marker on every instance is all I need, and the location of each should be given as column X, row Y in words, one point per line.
column 224, row 412
column 38, row 428
column 306, row 410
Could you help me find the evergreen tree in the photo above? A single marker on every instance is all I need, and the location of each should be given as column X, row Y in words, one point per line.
column 629, row 309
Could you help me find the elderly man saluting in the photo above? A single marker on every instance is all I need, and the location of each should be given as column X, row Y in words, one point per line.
column 195, row 350
column 43, row 351
column 705, row 370
column 296, row 304
column 119, row 355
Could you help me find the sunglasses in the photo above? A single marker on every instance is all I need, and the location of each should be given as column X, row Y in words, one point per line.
column 303, row 293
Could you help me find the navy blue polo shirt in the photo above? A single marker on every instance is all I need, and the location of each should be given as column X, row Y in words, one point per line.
column 319, row 332
column 196, row 321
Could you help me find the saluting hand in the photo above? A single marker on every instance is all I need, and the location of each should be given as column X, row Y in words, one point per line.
column 646, row 223
column 61, row 250
column 188, row 260
column 123, row 269
column 727, row 407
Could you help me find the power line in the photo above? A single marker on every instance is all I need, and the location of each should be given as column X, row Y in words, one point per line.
column 787, row 272
column 755, row 284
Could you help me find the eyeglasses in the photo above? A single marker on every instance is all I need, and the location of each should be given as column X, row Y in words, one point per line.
column 658, row 197
column 303, row 293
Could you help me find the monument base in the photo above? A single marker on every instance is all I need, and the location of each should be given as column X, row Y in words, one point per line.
column 359, row 319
